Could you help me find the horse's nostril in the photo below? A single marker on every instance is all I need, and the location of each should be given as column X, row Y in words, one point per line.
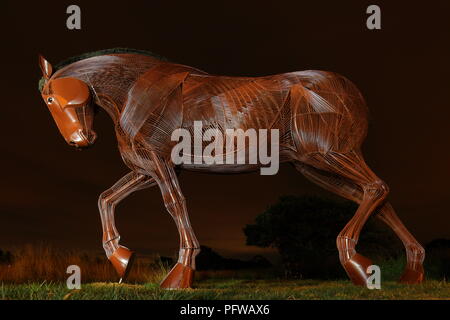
column 72, row 143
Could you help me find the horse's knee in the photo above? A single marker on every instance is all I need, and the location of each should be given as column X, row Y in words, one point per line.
column 377, row 190
column 104, row 199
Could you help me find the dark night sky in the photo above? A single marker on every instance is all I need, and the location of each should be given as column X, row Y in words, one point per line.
column 48, row 191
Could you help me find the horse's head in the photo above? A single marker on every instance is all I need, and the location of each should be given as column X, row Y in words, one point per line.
column 69, row 101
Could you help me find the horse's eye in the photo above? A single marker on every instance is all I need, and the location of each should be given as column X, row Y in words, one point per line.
column 50, row 100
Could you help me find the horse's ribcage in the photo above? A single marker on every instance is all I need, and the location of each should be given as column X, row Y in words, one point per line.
column 314, row 111
column 232, row 103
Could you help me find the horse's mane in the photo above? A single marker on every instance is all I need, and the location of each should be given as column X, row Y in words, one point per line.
column 91, row 54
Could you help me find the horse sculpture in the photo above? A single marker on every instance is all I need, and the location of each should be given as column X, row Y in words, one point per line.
column 321, row 118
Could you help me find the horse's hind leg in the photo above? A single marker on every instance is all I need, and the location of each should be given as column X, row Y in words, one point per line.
column 182, row 274
column 351, row 166
column 415, row 253
column 120, row 257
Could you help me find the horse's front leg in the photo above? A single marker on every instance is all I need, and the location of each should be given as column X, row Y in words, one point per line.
column 182, row 274
column 120, row 257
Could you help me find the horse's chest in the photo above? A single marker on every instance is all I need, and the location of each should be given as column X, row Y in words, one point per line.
column 127, row 151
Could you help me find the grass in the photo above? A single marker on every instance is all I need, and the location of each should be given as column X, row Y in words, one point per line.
column 228, row 289
column 39, row 272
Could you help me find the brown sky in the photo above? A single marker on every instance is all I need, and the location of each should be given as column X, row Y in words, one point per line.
column 48, row 191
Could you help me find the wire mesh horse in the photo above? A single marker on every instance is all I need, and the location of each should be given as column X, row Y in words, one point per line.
column 321, row 117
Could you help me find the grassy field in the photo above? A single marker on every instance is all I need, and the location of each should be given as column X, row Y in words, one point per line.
column 39, row 272
column 229, row 289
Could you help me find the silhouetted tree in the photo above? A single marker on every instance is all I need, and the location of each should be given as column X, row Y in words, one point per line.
column 304, row 230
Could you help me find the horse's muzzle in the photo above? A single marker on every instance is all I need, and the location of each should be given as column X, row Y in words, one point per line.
column 82, row 140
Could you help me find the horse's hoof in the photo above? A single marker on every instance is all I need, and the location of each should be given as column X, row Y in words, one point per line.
column 411, row 276
column 122, row 260
column 180, row 277
column 356, row 268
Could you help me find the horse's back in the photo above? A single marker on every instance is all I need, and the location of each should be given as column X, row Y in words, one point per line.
column 306, row 101
column 245, row 102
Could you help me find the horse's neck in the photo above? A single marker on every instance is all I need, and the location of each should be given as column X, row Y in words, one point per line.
column 111, row 106
column 111, row 93
column 110, row 78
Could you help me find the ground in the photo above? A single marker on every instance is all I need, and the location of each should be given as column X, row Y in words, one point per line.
column 229, row 289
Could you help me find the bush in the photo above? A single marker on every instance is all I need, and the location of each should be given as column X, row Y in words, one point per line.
column 304, row 230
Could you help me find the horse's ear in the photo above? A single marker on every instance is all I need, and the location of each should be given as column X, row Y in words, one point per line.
column 46, row 67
